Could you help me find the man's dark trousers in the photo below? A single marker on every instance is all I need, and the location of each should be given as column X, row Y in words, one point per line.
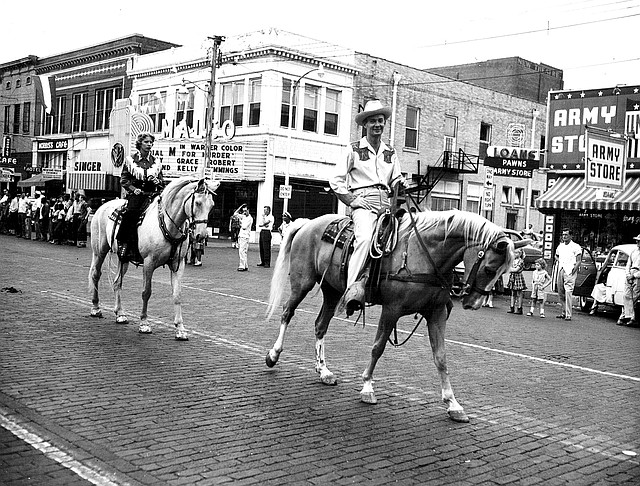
column 265, row 248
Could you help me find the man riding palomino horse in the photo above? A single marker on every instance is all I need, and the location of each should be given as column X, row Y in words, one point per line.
column 364, row 181
column 142, row 179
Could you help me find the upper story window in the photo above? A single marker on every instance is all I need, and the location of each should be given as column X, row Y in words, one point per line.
column 8, row 85
column 28, row 80
column 506, row 195
column 79, row 112
column 232, row 103
column 16, row 118
column 26, row 117
column 184, row 107
column 411, row 128
column 311, row 104
column 105, row 100
column 519, row 196
column 331, row 110
column 7, row 117
column 485, row 138
column 445, row 196
column 474, row 196
column 18, row 83
column 55, row 122
column 255, row 97
column 154, row 105
column 285, row 107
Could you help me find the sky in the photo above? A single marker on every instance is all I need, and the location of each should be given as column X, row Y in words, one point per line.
column 595, row 42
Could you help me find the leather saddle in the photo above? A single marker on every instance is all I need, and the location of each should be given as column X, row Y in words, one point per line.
column 339, row 233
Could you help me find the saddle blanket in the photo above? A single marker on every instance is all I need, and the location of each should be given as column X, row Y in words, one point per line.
column 342, row 228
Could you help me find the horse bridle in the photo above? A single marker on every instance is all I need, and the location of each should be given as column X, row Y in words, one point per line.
column 175, row 240
column 468, row 287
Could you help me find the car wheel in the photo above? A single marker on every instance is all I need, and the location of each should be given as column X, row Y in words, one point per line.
column 585, row 303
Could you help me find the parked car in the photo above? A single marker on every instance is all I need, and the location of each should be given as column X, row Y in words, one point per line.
column 605, row 284
column 531, row 254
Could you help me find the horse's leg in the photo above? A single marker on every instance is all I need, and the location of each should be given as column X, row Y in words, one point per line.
column 94, row 278
column 388, row 318
column 437, row 324
column 330, row 300
column 147, row 273
column 299, row 291
column 176, row 286
column 121, row 317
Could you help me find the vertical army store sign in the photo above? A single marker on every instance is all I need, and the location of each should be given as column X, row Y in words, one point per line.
column 605, row 160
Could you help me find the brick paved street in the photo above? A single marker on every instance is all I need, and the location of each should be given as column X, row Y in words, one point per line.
column 85, row 400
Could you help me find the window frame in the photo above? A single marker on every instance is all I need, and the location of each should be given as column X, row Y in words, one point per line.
column 16, row 118
column 412, row 130
column 255, row 101
column 332, row 117
column 79, row 116
column 311, row 114
column 232, row 108
column 155, row 107
column 26, row 117
column 287, row 110
column 105, row 97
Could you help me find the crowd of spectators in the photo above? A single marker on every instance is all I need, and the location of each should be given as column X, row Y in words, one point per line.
column 62, row 220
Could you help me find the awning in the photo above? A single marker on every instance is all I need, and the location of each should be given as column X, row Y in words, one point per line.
column 96, row 181
column 571, row 193
column 37, row 180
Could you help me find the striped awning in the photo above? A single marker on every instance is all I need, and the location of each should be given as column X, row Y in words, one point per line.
column 99, row 181
column 571, row 193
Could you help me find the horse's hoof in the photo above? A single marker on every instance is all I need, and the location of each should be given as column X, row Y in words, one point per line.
column 144, row 329
column 270, row 362
column 329, row 379
column 96, row 313
column 458, row 416
column 368, row 397
column 122, row 320
column 182, row 336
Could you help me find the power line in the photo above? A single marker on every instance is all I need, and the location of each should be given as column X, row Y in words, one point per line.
column 536, row 31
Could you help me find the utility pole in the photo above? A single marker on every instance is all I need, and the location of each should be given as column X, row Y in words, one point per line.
column 217, row 40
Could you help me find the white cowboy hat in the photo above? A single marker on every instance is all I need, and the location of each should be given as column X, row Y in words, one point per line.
column 373, row 107
column 637, row 238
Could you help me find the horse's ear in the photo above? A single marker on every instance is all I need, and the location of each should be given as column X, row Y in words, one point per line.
column 501, row 246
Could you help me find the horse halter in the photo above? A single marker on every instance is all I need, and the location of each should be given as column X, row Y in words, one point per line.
column 193, row 222
column 468, row 287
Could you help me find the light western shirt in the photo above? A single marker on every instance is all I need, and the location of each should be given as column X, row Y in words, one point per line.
column 245, row 226
column 362, row 167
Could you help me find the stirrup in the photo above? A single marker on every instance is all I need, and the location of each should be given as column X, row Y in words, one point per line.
column 352, row 300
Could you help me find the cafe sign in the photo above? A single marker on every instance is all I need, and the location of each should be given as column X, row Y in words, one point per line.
column 52, row 145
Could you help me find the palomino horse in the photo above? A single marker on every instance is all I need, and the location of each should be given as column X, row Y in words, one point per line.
column 184, row 204
column 415, row 278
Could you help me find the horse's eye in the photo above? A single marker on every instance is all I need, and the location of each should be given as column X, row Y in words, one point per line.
column 490, row 272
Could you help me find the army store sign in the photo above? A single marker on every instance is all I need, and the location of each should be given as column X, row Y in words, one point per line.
column 181, row 158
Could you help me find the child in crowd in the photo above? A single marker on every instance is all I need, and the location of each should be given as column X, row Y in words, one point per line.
column 517, row 283
column 540, row 280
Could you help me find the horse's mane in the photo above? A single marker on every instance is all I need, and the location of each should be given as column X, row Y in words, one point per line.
column 472, row 227
column 175, row 186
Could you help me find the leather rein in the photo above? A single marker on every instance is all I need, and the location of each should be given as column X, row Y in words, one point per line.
column 183, row 232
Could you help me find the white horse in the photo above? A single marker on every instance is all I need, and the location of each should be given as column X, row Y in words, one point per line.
column 162, row 240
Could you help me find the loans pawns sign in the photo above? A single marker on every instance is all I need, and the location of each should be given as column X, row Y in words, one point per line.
column 605, row 160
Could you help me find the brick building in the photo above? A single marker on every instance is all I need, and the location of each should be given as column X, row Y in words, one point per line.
column 67, row 147
column 442, row 127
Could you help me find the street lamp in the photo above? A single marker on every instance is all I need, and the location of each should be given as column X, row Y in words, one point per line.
column 294, row 86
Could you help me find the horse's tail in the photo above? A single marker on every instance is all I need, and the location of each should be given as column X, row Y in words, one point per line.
column 283, row 263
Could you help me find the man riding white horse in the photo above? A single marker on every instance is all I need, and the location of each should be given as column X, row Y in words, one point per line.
column 142, row 179
column 363, row 181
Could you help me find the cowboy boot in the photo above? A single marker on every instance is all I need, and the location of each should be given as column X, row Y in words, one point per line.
column 511, row 310
column 519, row 311
column 353, row 298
